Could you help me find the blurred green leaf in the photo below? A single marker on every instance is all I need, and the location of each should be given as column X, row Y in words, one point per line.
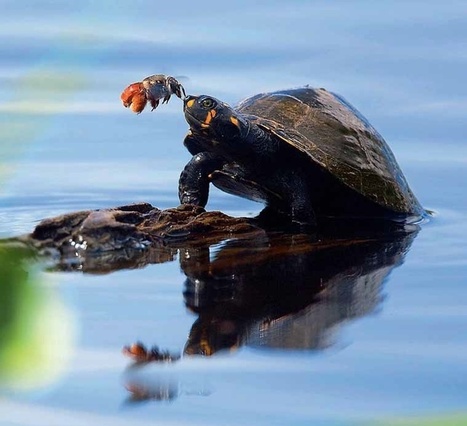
column 36, row 329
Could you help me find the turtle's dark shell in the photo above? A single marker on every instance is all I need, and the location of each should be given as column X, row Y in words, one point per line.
column 334, row 135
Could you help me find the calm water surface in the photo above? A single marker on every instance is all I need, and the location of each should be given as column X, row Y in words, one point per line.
column 67, row 144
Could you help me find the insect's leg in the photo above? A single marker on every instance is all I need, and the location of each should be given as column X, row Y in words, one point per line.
column 175, row 87
column 154, row 103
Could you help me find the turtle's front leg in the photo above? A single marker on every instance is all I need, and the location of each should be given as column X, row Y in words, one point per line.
column 193, row 186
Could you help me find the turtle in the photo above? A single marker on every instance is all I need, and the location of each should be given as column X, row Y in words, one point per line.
column 304, row 152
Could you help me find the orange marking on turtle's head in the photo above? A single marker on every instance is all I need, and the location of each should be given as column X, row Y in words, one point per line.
column 234, row 121
column 209, row 116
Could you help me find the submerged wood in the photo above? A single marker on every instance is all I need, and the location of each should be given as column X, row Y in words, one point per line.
column 134, row 235
column 131, row 236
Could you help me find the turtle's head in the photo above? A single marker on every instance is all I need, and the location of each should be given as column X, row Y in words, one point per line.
column 213, row 118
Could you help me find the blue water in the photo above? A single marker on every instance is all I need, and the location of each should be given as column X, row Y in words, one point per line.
column 68, row 144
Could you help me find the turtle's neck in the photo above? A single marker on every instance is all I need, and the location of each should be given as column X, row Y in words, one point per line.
column 261, row 142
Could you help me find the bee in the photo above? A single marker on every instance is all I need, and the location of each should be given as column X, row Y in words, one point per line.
column 152, row 89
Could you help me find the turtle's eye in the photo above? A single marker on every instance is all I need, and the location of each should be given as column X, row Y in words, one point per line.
column 208, row 103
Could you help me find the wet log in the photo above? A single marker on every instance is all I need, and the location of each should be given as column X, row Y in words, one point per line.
column 136, row 226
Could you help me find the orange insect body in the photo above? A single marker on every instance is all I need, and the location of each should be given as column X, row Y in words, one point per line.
column 134, row 96
column 138, row 103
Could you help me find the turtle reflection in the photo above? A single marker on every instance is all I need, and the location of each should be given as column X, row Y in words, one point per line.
column 287, row 292
column 283, row 293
